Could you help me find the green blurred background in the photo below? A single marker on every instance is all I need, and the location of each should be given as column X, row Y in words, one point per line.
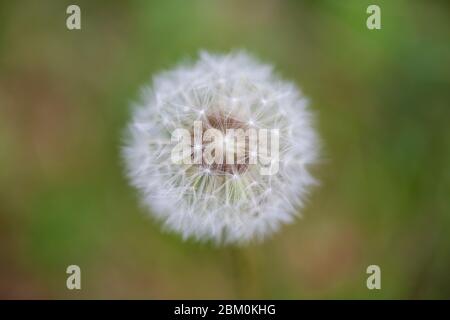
column 382, row 99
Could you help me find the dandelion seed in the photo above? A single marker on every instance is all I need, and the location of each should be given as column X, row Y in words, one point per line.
column 222, row 202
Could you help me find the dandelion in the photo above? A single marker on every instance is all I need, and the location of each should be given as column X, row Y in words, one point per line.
column 226, row 202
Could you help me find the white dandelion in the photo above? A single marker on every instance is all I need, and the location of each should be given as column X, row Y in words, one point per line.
column 224, row 202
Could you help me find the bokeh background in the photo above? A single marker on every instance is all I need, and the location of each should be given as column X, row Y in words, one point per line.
column 382, row 100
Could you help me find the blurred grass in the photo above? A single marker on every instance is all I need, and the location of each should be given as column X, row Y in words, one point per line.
column 382, row 99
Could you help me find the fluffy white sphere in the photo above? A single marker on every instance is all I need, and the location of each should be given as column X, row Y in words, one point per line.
column 226, row 203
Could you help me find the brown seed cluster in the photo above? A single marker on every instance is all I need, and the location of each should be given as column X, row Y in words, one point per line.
column 222, row 122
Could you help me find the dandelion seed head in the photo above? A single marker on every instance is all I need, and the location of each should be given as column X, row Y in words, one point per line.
column 221, row 202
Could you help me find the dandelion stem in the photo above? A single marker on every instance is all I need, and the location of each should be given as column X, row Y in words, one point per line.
column 243, row 273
